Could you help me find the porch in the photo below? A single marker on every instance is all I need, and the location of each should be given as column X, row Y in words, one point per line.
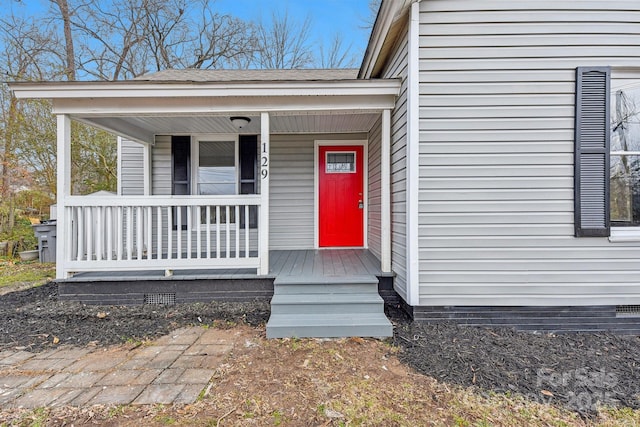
column 223, row 170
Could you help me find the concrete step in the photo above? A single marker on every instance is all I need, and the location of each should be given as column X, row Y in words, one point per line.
column 329, row 325
column 327, row 303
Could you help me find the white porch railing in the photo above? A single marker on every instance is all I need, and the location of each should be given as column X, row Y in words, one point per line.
column 161, row 232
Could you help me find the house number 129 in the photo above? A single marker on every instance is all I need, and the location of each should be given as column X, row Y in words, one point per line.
column 265, row 161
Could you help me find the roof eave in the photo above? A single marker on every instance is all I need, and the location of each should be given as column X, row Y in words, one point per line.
column 153, row 89
column 390, row 11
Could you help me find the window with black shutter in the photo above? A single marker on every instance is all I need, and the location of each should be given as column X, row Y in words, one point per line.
column 220, row 166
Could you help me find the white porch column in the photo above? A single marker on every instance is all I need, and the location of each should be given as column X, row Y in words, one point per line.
column 264, row 194
column 64, row 191
column 385, row 193
column 147, row 169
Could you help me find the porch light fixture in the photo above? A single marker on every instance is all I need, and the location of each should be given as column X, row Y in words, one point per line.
column 239, row 121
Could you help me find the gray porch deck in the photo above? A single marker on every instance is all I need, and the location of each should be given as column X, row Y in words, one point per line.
column 328, row 263
column 130, row 287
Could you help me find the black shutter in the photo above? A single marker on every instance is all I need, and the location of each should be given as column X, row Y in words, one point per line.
column 248, row 153
column 180, row 172
column 591, row 173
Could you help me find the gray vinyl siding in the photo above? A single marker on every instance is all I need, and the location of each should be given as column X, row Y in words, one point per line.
column 132, row 168
column 161, row 166
column 291, row 191
column 373, row 190
column 497, row 90
column 397, row 68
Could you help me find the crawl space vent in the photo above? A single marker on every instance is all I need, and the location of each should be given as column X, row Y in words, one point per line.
column 628, row 310
column 160, row 298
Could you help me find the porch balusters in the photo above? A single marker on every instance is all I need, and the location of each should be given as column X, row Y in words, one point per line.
column 126, row 233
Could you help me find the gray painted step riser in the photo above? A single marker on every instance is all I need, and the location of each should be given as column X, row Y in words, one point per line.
column 319, row 331
column 343, row 299
column 365, row 308
column 289, row 289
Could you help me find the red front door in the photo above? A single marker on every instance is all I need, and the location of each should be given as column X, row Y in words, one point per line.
column 341, row 196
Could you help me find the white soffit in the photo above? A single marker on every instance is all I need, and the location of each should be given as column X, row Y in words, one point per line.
column 143, row 128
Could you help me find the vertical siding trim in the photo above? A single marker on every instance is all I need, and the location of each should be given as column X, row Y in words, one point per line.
column 591, row 165
column 413, row 155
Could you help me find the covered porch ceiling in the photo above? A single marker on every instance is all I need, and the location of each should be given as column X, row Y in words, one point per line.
column 143, row 128
column 140, row 110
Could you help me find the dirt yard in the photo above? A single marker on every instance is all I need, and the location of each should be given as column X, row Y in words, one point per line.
column 425, row 375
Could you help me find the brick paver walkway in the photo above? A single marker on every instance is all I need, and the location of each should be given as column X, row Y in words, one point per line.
column 173, row 369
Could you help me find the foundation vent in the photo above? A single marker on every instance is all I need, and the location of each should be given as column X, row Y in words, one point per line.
column 628, row 310
column 168, row 298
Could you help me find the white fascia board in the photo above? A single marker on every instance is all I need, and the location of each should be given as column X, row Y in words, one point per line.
column 88, row 107
column 97, row 90
column 389, row 12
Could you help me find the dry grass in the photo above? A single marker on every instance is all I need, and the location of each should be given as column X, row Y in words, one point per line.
column 350, row 382
column 15, row 275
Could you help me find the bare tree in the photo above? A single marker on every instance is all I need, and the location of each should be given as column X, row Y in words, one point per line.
column 222, row 41
column 111, row 32
column 283, row 43
column 70, row 56
column 370, row 19
column 337, row 55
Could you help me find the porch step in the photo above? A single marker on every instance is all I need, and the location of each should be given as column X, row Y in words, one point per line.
column 327, row 307
column 329, row 325
column 284, row 285
column 327, row 303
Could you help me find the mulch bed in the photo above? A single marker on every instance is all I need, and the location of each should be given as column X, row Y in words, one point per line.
column 34, row 318
column 577, row 370
column 580, row 371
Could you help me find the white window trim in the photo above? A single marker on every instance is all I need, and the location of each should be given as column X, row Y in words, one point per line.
column 195, row 157
column 624, row 234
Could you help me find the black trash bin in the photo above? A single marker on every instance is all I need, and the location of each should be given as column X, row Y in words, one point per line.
column 47, row 235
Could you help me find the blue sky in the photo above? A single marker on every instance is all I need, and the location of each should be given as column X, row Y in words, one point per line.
column 328, row 17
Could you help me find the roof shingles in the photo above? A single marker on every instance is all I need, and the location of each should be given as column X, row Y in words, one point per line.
column 198, row 75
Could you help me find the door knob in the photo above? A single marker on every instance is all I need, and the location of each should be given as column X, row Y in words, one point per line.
column 360, row 204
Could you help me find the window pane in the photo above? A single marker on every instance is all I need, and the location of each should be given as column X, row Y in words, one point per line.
column 625, row 126
column 625, row 189
column 216, row 189
column 217, row 153
column 216, row 168
column 216, row 174
column 341, row 162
